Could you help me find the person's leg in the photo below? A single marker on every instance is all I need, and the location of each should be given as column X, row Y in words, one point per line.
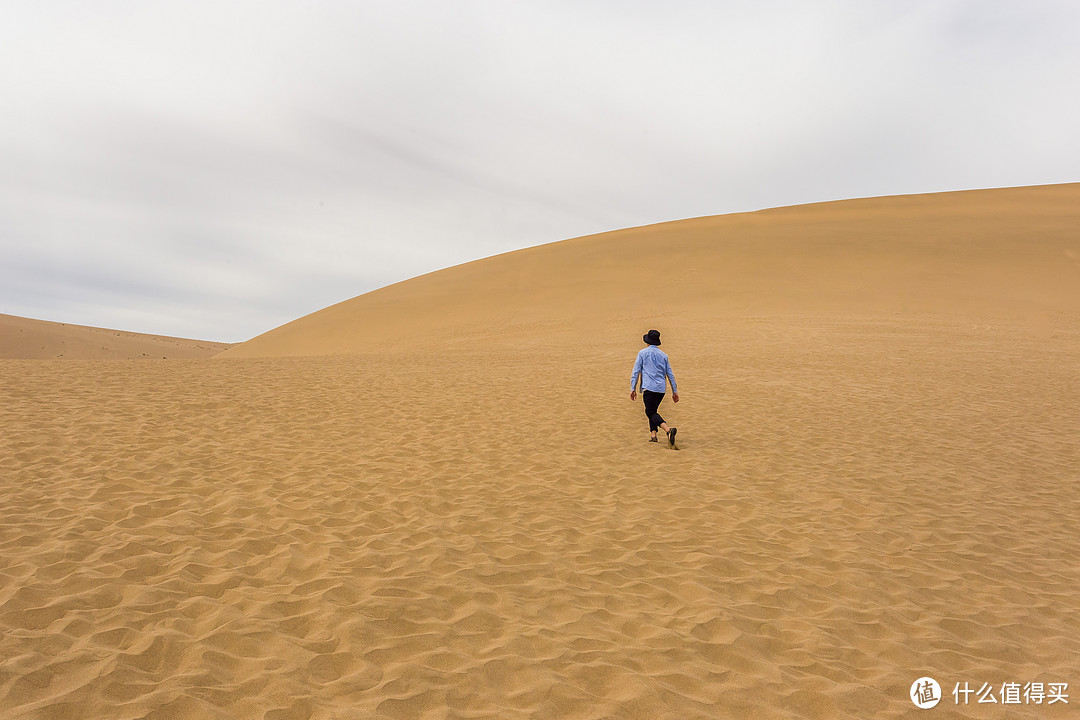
column 652, row 402
column 656, row 422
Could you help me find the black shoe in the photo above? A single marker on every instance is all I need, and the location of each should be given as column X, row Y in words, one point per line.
column 653, row 440
column 671, row 436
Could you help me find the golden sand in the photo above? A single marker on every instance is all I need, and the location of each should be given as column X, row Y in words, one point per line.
column 978, row 257
column 24, row 339
column 459, row 516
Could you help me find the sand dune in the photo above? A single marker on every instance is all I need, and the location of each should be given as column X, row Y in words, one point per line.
column 454, row 512
column 23, row 338
column 1008, row 254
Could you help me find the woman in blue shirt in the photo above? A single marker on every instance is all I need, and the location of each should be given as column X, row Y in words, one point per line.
column 654, row 369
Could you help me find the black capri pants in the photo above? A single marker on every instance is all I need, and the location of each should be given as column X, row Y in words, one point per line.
column 652, row 402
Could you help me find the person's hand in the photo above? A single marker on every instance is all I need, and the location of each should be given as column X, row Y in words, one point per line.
column 633, row 394
column 675, row 397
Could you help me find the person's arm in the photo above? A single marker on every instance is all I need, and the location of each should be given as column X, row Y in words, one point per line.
column 674, row 385
column 634, row 377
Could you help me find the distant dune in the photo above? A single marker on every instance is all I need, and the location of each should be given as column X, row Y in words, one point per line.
column 26, row 339
column 1004, row 253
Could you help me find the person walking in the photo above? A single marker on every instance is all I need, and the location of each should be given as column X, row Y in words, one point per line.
column 654, row 369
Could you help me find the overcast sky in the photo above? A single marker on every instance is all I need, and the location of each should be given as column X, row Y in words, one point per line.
column 215, row 169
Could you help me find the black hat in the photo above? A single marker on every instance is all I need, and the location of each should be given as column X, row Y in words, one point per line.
column 652, row 337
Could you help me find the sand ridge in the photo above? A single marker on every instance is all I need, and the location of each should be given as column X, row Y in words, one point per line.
column 475, row 526
column 973, row 256
column 24, row 338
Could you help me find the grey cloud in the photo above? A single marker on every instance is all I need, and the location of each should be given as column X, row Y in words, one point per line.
column 231, row 167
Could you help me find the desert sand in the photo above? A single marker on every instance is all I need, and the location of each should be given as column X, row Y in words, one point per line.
column 28, row 339
column 437, row 500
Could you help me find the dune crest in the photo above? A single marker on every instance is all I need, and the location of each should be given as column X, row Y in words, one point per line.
column 1010, row 253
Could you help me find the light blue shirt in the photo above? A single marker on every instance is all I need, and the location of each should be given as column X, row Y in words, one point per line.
column 653, row 366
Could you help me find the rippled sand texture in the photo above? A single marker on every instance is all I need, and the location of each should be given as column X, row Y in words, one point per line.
column 487, row 534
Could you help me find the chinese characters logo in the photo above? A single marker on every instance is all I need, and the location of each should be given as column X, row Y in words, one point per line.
column 925, row 693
